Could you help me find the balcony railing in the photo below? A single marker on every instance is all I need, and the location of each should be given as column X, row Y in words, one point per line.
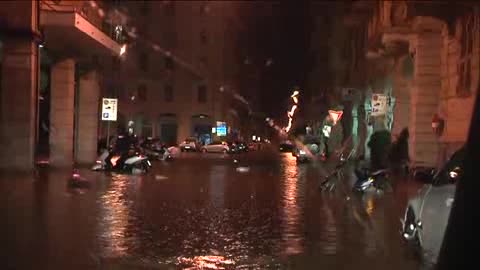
column 91, row 12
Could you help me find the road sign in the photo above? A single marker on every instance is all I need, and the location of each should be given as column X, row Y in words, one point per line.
column 109, row 109
column 379, row 104
column 335, row 115
column 327, row 129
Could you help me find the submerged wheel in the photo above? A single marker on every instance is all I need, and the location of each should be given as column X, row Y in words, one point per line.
column 140, row 167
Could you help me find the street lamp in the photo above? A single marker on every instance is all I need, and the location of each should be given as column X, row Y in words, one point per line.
column 123, row 49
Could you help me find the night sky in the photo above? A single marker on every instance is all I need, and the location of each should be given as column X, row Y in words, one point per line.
column 282, row 33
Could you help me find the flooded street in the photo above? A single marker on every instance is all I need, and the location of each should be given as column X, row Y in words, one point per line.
column 200, row 211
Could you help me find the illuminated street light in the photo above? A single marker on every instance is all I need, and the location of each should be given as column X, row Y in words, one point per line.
column 123, row 50
column 291, row 113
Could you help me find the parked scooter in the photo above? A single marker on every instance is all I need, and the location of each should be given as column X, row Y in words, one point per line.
column 135, row 164
column 305, row 153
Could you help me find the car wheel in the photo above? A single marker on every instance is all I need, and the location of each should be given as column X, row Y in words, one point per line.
column 414, row 243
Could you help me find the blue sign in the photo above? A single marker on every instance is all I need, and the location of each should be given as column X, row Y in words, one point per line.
column 222, row 131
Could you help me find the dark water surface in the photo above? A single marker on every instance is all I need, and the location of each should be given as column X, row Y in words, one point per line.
column 199, row 211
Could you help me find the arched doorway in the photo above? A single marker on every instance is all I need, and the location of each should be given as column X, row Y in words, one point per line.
column 202, row 128
column 167, row 128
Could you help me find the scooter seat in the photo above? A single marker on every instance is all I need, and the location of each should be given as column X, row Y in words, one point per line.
column 378, row 172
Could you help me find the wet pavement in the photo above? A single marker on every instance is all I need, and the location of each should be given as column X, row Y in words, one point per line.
column 201, row 211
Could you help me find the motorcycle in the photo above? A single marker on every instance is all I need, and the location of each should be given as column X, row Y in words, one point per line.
column 366, row 180
column 151, row 154
column 135, row 164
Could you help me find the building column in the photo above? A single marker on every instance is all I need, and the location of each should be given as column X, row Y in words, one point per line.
column 87, row 120
column 62, row 113
column 401, row 92
column 18, row 104
column 424, row 97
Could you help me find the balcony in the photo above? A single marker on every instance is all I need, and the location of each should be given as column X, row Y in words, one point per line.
column 78, row 27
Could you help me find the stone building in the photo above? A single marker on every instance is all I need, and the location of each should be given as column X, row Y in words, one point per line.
column 54, row 49
column 179, row 75
column 337, row 78
column 423, row 55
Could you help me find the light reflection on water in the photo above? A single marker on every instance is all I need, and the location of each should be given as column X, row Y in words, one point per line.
column 115, row 217
column 217, row 219
column 292, row 198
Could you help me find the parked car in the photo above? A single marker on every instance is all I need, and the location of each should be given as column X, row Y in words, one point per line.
column 190, row 144
column 286, row 146
column 216, row 147
column 426, row 215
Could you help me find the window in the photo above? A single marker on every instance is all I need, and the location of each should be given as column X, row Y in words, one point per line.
column 466, row 37
column 203, row 61
column 168, row 93
column 115, row 63
column 169, row 64
column 144, row 7
column 204, row 9
column 143, row 61
column 170, row 38
column 142, row 92
column 169, row 8
column 202, row 94
column 203, row 37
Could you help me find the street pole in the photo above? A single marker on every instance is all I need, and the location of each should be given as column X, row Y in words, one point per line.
column 108, row 135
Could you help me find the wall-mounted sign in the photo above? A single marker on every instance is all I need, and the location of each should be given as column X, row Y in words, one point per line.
column 222, row 131
column 379, row 104
column 327, row 129
column 221, row 128
column 109, row 109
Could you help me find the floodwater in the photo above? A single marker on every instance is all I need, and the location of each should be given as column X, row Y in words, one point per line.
column 200, row 212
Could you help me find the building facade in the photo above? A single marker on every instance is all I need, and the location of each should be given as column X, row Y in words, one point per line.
column 422, row 55
column 178, row 78
column 52, row 55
